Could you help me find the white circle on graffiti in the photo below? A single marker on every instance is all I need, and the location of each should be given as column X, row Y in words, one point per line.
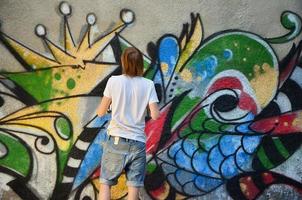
column 91, row 19
column 65, row 8
column 40, row 30
column 127, row 16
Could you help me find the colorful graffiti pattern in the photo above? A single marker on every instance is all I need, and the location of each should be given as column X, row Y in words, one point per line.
column 230, row 112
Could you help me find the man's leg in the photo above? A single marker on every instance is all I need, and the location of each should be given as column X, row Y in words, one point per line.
column 133, row 193
column 112, row 165
column 104, row 193
column 136, row 169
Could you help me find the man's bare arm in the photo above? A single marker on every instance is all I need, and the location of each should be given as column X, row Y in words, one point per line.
column 154, row 111
column 103, row 107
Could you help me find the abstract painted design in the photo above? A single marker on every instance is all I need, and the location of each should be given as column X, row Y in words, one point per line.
column 47, row 138
column 230, row 112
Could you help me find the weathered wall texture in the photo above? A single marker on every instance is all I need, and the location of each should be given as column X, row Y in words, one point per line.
column 228, row 73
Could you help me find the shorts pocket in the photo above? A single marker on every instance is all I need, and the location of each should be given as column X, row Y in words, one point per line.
column 113, row 160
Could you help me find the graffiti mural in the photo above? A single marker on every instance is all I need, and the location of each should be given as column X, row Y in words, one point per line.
column 47, row 149
column 230, row 112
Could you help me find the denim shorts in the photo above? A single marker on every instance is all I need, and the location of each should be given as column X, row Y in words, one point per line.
column 128, row 155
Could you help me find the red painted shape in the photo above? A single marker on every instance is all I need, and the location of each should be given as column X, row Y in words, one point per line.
column 97, row 173
column 225, row 82
column 248, row 187
column 281, row 125
column 159, row 191
column 154, row 130
column 268, row 178
column 246, row 102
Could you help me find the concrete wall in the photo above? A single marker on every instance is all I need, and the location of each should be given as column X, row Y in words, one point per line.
column 226, row 72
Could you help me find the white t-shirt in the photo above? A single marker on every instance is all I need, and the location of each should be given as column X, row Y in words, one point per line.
column 130, row 98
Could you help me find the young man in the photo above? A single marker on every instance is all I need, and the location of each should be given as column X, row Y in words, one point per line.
column 129, row 95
